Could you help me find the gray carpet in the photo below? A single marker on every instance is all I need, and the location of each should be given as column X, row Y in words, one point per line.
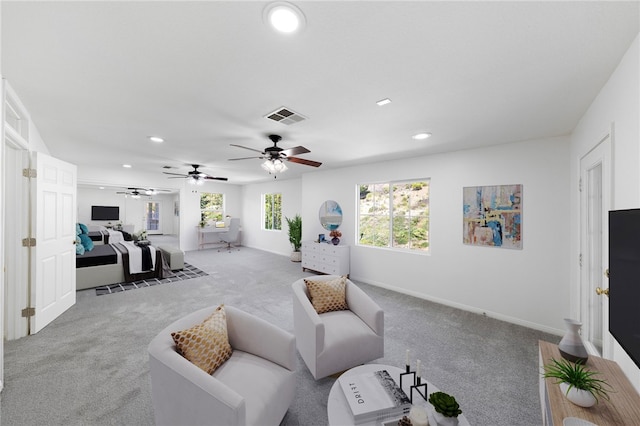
column 90, row 366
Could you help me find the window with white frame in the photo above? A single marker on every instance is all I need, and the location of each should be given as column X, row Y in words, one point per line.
column 211, row 207
column 272, row 211
column 394, row 215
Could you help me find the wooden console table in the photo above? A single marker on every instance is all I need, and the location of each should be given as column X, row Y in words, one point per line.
column 623, row 408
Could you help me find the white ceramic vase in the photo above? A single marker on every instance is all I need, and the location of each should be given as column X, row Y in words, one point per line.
column 571, row 346
column 444, row 421
column 296, row 256
column 578, row 396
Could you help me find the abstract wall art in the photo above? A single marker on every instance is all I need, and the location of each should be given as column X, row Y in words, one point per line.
column 493, row 216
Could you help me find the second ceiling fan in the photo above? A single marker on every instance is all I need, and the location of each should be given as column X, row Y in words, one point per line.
column 275, row 156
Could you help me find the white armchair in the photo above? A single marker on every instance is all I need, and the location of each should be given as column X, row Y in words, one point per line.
column 254, row 387
column 336, row 341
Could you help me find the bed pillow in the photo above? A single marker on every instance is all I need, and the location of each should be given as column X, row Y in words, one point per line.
column 78, row 229
column 206, row 345
column 87, row 243
column 84, row 228
column 79, row 246
column 327, row 296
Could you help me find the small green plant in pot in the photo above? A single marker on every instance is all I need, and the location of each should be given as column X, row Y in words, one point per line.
column 295, row 236
column 578, row 384
column 447, row 408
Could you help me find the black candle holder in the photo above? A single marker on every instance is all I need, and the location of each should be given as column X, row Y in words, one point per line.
column 417, row 387
column 416, row 383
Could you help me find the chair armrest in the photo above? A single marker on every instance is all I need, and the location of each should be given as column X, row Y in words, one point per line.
column 254, row 335
column 184, row 394
column 364, row 307
column 309, row 328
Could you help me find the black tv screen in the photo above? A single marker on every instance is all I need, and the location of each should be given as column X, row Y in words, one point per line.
column 105, row 213
column 624, row 280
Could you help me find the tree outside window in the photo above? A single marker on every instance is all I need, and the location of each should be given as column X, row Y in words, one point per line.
column 272, row 208
column 394, row 215
column 211, row 207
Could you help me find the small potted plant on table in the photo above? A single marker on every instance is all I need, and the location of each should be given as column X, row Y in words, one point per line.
column 447, row 408
column 576, row 382
column 295, row 237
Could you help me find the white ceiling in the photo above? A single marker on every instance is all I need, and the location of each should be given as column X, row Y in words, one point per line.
column 99, row 77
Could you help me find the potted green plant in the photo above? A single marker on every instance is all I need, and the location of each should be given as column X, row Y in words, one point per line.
column 295, row 236
column 447, row 408
column 576, row 382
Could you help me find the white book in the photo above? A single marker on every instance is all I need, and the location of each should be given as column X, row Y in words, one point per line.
column 374, row 396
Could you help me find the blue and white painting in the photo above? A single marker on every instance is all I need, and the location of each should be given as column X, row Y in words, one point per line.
column 330, row 215
column 493, row 216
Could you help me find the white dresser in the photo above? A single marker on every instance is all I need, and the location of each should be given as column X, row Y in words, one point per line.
column 327, row 258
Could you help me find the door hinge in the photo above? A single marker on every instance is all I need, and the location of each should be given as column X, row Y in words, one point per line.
column 28, row 242
column 580, row 259
column 29, row 173
column 28, row 312
column 580, row 185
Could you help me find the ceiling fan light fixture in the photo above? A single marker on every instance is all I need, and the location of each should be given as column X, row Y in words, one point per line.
column 284, row 17
column 274, row 166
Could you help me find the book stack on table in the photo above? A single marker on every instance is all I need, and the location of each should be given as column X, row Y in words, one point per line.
column 374, row 396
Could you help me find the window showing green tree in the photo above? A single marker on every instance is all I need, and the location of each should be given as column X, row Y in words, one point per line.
column 272, row 211
column 394, row 215
column 211, row 207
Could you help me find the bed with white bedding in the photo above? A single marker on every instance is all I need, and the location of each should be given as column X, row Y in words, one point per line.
column 115, row 263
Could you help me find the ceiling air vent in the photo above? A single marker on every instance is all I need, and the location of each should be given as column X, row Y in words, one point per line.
column 285, row 116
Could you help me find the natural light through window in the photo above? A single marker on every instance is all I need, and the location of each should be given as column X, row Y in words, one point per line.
column 394, row 215
column 211, row 207
column 272, row 212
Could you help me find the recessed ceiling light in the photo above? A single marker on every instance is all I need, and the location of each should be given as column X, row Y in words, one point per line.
column 126, row 166
column 284, row 17
column 156, row 139
column 384, row 101
column 102, row 187
column 421, row 136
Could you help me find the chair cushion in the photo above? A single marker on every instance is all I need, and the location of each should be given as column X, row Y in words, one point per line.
column 207, row 344
column 327, row 296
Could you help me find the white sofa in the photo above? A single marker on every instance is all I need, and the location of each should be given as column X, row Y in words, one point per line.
column 336, row 341
column 254, row 387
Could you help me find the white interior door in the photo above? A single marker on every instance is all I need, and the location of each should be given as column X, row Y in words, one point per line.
column 53, row 268
column 595, row 203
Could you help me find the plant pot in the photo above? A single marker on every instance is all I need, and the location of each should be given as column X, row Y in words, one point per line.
column 335, row 241
column 296, row 256
column 578, row 396
column 571, row 346
column 444, row 421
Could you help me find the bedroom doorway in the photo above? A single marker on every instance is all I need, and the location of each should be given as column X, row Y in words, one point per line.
column 152, row 217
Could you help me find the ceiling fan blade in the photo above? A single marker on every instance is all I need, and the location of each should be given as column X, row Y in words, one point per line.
column 243, row 158
column 304, row 161
column 296, row 150
column 178, row 177
column 246, row 147
column 176, row 174
column 215, row 178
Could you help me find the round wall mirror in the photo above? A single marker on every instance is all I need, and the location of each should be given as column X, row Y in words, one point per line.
column 330, row 215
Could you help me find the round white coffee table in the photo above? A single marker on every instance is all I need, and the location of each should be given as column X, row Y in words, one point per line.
column 338, row 409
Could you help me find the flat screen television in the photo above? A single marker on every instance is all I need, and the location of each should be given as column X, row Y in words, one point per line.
column 105, row 213
column 624, row 280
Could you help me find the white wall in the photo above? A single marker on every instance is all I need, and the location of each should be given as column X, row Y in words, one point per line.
column 190, row 208
column 272, row 241
column 617, row 103
column 514, row 285
column 131, row 210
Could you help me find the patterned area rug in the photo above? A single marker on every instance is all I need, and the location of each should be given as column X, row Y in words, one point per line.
column 187, row 273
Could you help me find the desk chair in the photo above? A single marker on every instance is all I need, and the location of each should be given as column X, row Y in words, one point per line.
column 231, row 236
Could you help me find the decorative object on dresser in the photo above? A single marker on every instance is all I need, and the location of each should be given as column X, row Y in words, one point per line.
column 295, row 237
column 571, row 346
column 335, row 237
column 578, row 383
column 621, row 408
column 326, row 258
